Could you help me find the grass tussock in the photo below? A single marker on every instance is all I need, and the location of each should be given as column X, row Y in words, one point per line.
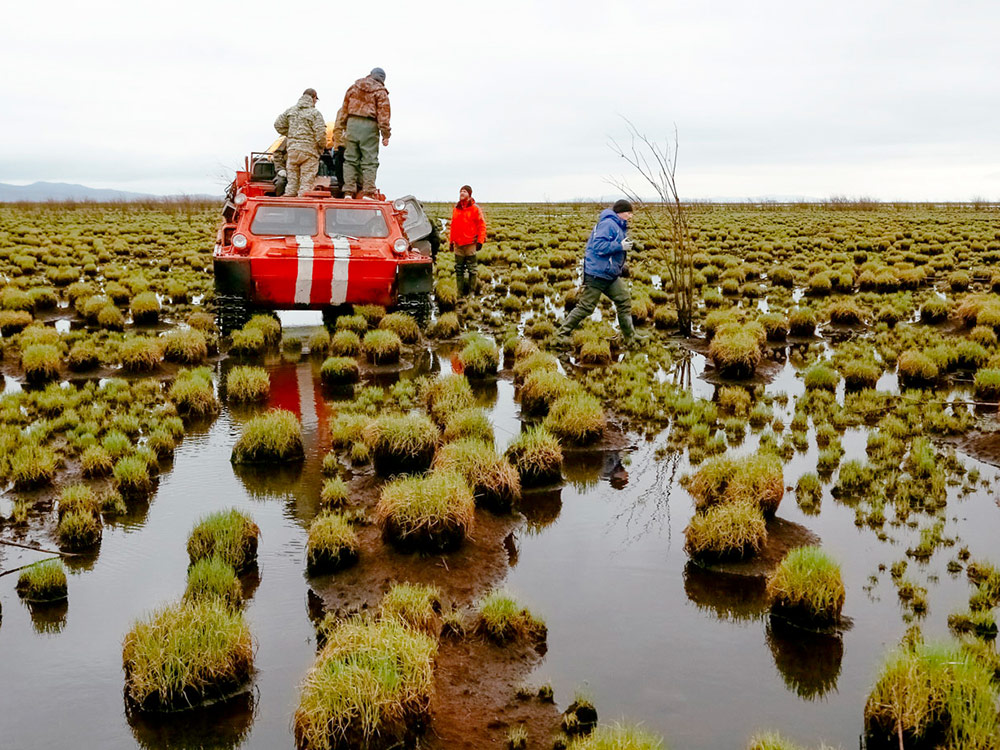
column 757, row 479
column 32, row 466
column 245, row 384
column 382, row 347
column 184, row 654
column 272, row 437
column 193, row 394
column 933, row 695
column 140, row 354
column 415, row 604
column 494, row 482
column 132, row 477
column 541, row 388
column 807, row 587
column 468, row 423
column 333, row 494
column 185, row 345
column 619, row 737
column 332, row 544
column 79, row 530
column 480, row 357
column 577, row 418
column 447, row 395
column 735, row 351
column 340, row 370
column 537, row 456
column 401, row 324
column 345, row 344
column 402, row 444
column 370, row 687
column 212, row 578
column 44, row 581
column 730, row 531
column 431, row 513
column 40, row 362
column 229, row 535
column 502, row 619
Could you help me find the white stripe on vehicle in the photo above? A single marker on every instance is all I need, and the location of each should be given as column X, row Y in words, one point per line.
column 341, row 259
column 303, row 275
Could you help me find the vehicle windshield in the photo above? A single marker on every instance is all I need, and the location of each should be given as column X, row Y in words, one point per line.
column 356, row 222
column 284, row 220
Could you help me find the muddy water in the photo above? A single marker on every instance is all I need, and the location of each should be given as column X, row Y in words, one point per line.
column 688, row 652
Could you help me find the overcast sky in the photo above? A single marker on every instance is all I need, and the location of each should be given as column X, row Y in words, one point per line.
column 893, row 100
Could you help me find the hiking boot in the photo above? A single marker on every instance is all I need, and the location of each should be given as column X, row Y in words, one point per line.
column 561, row 344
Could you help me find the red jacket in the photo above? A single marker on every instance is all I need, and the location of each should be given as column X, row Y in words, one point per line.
column 468, row 225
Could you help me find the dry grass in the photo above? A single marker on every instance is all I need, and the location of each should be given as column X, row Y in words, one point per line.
column 435, row 512
column 537, row 456
column 756, row 478
column 495, row 483
column 273, row 437
column 733, row 530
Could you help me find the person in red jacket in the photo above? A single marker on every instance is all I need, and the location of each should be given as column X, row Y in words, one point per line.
column 466, row 235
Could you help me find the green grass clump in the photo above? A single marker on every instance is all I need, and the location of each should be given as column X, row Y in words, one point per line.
column 372, row 314
column 735, row 352
column 269, row 327
column 987, row 383
column 116, row 444
column 821, row 376
column 79, row 530
column 577, row 418
column 340, row 370
column 971, row 355
column 502, row 619
column 381, row 347
column 245, row 384
column 734, row 400
column 756, row 478
column 537, row 456
column 402, row 444
column 445, row 327
column 334, row 493
column 345, row 344
column 845, row 312
column 31, row 466
column 859, row 374
column 319, row 341
column 145, row 308
column 353, row 323
column 733, row 530
column 494, row 482
column 771, row 741
column 83, row 356
column 541, row 388
column 230, row 535
column 933, row 695
column 468, row 423
column 14, row 321
column 332, row 544
column 131, row 475
column 44, row 581
column 272, row 437
column 479, row 357
column 802, row 322
column 775, row 326
column 140, row 354
column 619, row 737
column 96, row 462
column 40, row 362
column 12, row 298
column 213, row 578
column 78, row 497
column 807, row 587
column 247, row 342
column 403, row 325
column 980, row 623
column 934, row 310
column 430, row 513
column 193, row 394
column 184, row 654
column 185, row 345
column 448, row 395
column 916, row 368
column 417, row 605
column 370, row 687
column 532, row 361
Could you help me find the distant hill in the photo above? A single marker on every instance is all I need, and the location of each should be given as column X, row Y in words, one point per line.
column 40, row 192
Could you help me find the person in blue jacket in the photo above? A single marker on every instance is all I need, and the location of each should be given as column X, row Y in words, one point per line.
column 603, row 262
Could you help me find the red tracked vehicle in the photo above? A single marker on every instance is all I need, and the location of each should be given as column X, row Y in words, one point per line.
column 316, row 252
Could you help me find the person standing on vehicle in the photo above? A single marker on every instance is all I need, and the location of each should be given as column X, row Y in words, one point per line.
column 305, row 133
column 466, row 235
column 363, row 117
column 603, row 263
column 335, row 143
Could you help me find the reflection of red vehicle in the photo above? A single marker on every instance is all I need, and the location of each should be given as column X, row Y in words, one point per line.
column 315, row 252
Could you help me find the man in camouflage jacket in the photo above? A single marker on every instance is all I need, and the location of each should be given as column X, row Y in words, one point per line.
column 305, row 138
column 363, row 117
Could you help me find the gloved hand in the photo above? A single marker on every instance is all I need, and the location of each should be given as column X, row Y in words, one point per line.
column 479, row 246
column 627, row 244
column 451, row 247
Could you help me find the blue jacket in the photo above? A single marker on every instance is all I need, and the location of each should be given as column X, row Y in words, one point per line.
column 604, row 256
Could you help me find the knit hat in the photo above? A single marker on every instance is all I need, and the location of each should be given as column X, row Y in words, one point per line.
column 378, row 73
column 621, row 206
column 466, row 188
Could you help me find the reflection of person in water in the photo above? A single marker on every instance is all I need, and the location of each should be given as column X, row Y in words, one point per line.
column 614, row 470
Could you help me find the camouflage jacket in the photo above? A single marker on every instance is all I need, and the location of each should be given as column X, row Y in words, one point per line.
column 335, row 136
column 366, row 98
column 304, row 127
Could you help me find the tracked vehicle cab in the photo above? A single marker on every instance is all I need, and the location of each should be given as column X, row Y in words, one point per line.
column 316, row 251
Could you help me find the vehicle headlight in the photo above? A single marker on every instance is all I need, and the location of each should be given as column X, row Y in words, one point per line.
column 399, row 205
column 399, row 246
column 239, row 241
column 240, row 199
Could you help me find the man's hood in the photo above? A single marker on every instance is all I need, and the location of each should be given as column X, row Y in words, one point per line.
column 305, row 101
column 610, row 213
column 368, row 83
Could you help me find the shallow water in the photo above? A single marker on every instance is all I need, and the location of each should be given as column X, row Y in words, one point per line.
column 687, row 652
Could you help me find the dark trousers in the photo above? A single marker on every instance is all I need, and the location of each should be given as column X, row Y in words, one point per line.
column 590, row 295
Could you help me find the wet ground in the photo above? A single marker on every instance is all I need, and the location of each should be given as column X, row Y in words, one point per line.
column 690, row 653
